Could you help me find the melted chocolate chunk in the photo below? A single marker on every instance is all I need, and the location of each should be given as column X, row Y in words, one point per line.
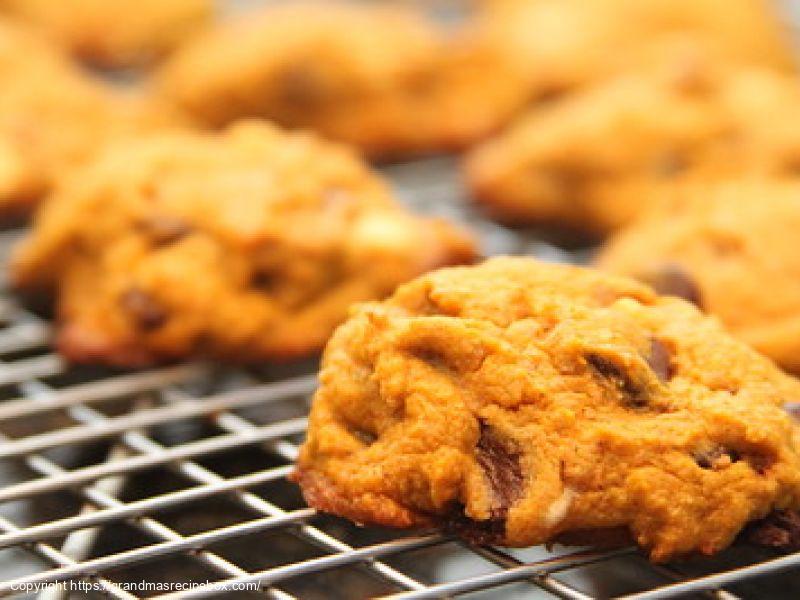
column 779, row 531
column 606, row 368
column 672, row 280
column 146, row 311
column 501, row 465
column 165, row 230
column 365, row 437
column 481, row 533
column 263, row 280
column 301, row 86
column 720, row 458
column 660, row 360
column 716, row 458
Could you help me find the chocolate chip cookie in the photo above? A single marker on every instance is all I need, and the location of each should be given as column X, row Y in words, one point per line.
column 518, row 403
column 245, row 245
column 562, row 45
column 53, row 116
column 114, row 34
column 382, row 78
column 729, row 247
column 590, row 163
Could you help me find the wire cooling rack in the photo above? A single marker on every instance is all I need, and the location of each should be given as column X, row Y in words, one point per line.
column 171, row 482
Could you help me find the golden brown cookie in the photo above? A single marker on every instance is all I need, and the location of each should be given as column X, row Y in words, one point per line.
column 114, row 34
column 563, row 44
column 519, row 402
column 591, row 162
column 381, row 78
column 245, row 245
column 730, row 247
column 54, row 117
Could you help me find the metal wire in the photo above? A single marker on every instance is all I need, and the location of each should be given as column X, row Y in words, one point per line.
column 236, row 432
column 52, row 409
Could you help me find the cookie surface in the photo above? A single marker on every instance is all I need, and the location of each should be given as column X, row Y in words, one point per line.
column 54, row 117
column 567, row 44
column 589, row 163
column 519, row 403
column 114, row 34
column 381, row 78
column 245, row 245
column 729, row 246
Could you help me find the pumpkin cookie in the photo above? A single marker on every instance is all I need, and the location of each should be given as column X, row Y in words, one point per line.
column 519, row 403
column 114, row 34
column 245, row 245
column 565, row 44
column 730, row 248
column 381, row 78
column 54, row 117
column 590, row 163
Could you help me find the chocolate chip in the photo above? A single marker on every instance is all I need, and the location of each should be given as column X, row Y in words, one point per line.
column 719, row 458
column 146, row 311
column 793, row 409
column 716, row 458
column 481, row 533
column 300, row 86
column 501, row 464
column 619, row 377
column 163, row 230
column 780, row 531
column 660, row 360
column 671, row 279
column 263, row 280
column 365, row 437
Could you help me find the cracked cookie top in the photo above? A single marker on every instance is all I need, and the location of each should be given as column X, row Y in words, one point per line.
column 518, row 402
column 244, row 245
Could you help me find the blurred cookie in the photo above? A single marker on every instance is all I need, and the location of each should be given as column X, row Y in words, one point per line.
column 245, row 245
column 114, row 34
column 520, row 403
column 591, row 162
column 381, row 78
column 730, row 247
column 54, row 117
column 564, row 44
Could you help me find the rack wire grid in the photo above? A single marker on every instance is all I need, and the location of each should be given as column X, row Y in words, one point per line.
column 168, row 482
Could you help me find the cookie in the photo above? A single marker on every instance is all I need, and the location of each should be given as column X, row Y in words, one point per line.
column 779, row 531
column 519, row 403
column 114, row 34
column 589, row 163
column 381, row 78
column 53, row 117
column 566, row 44
column 247, row 245
column 728, row 246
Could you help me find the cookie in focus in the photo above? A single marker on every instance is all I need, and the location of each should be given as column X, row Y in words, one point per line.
column 520, row 403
